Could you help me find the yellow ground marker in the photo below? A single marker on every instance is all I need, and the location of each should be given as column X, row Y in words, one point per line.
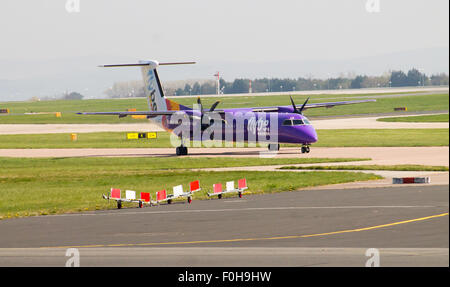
column 256, row 239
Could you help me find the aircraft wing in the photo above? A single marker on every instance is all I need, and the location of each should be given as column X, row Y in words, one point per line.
column 149, row 114
column 332, row 104
column 315, row 105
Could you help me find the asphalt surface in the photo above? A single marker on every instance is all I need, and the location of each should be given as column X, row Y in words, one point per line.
column 379, row 155
column 408, row 224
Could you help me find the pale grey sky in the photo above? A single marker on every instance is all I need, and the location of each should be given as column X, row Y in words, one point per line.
column 45, row 49
column 235, row 30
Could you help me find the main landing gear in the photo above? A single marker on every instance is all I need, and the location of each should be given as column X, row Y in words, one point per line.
column 273, row 147
column 182, row 150
column 305, row 149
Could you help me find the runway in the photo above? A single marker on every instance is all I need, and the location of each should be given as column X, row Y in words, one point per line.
column 310, row 227
column 379, row 155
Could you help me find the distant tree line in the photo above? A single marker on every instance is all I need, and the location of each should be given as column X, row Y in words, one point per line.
column 129, row 89
column 64, row 96
column 393, row 79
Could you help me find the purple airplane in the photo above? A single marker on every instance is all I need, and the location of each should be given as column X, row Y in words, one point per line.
column 270, row 125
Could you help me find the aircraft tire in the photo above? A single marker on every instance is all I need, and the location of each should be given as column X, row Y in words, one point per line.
column 181, row 150
column 272, row 147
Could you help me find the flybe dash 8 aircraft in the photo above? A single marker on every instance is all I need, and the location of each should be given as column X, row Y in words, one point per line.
column 283, row 124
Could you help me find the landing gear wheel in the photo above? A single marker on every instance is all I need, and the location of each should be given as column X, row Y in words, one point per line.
column 305, row 149
column 181, row 150
column 189, row 200
column 220, row 196
column 240, row 194
column 119, row 204
column 140, row 204
column 273, row 147
column 169, row 201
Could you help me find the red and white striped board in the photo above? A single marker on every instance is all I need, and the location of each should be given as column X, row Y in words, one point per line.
column 115, row 193
column 146, row 197
column 194, row 186
column 130, row 196
column 217, row 188
column 409, row 180
column 242, row 184
column 161, row 195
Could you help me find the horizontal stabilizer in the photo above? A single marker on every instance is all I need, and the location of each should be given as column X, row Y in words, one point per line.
column 146, row 63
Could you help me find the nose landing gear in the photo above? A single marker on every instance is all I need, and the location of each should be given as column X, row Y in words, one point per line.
column 305, row 149
column 181, row 150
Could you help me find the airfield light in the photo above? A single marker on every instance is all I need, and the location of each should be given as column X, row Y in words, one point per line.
column 217, row 82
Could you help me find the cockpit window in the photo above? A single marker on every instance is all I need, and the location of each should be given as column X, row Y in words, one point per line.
column 297, row 122
column 287, row 123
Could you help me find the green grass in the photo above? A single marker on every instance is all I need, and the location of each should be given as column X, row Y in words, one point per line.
column 405, row 167
column 442, row 118
column 327, row 138
column 52, row 186
column 49, row 165
column 68, row 108
column 382, row 137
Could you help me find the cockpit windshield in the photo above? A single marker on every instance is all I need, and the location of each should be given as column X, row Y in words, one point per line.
column 296, row 122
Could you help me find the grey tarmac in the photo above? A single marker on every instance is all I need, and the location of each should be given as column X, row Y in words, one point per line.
column 408, row 224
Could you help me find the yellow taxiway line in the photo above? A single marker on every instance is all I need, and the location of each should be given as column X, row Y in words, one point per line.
column 257, row 239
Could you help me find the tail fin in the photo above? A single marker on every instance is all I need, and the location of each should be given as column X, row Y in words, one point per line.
column 152, row 85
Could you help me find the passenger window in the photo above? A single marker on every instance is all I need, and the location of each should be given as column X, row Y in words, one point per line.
column 287, row 123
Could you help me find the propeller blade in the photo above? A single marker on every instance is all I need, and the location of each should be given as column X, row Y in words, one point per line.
column 293, row 105
column 199, row 102
column 213, row 107
column 304, row 104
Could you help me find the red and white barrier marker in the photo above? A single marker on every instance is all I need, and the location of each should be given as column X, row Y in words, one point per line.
column 217, row 188
column 406, row 180
column 130, row 196
column 161, row 196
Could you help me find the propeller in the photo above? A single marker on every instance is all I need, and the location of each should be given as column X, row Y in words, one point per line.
column 299, row 111
column 202, row 112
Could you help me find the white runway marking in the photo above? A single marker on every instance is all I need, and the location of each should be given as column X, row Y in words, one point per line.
column 241, row 209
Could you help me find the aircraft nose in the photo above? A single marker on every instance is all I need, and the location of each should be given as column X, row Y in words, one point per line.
column 311, row 135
